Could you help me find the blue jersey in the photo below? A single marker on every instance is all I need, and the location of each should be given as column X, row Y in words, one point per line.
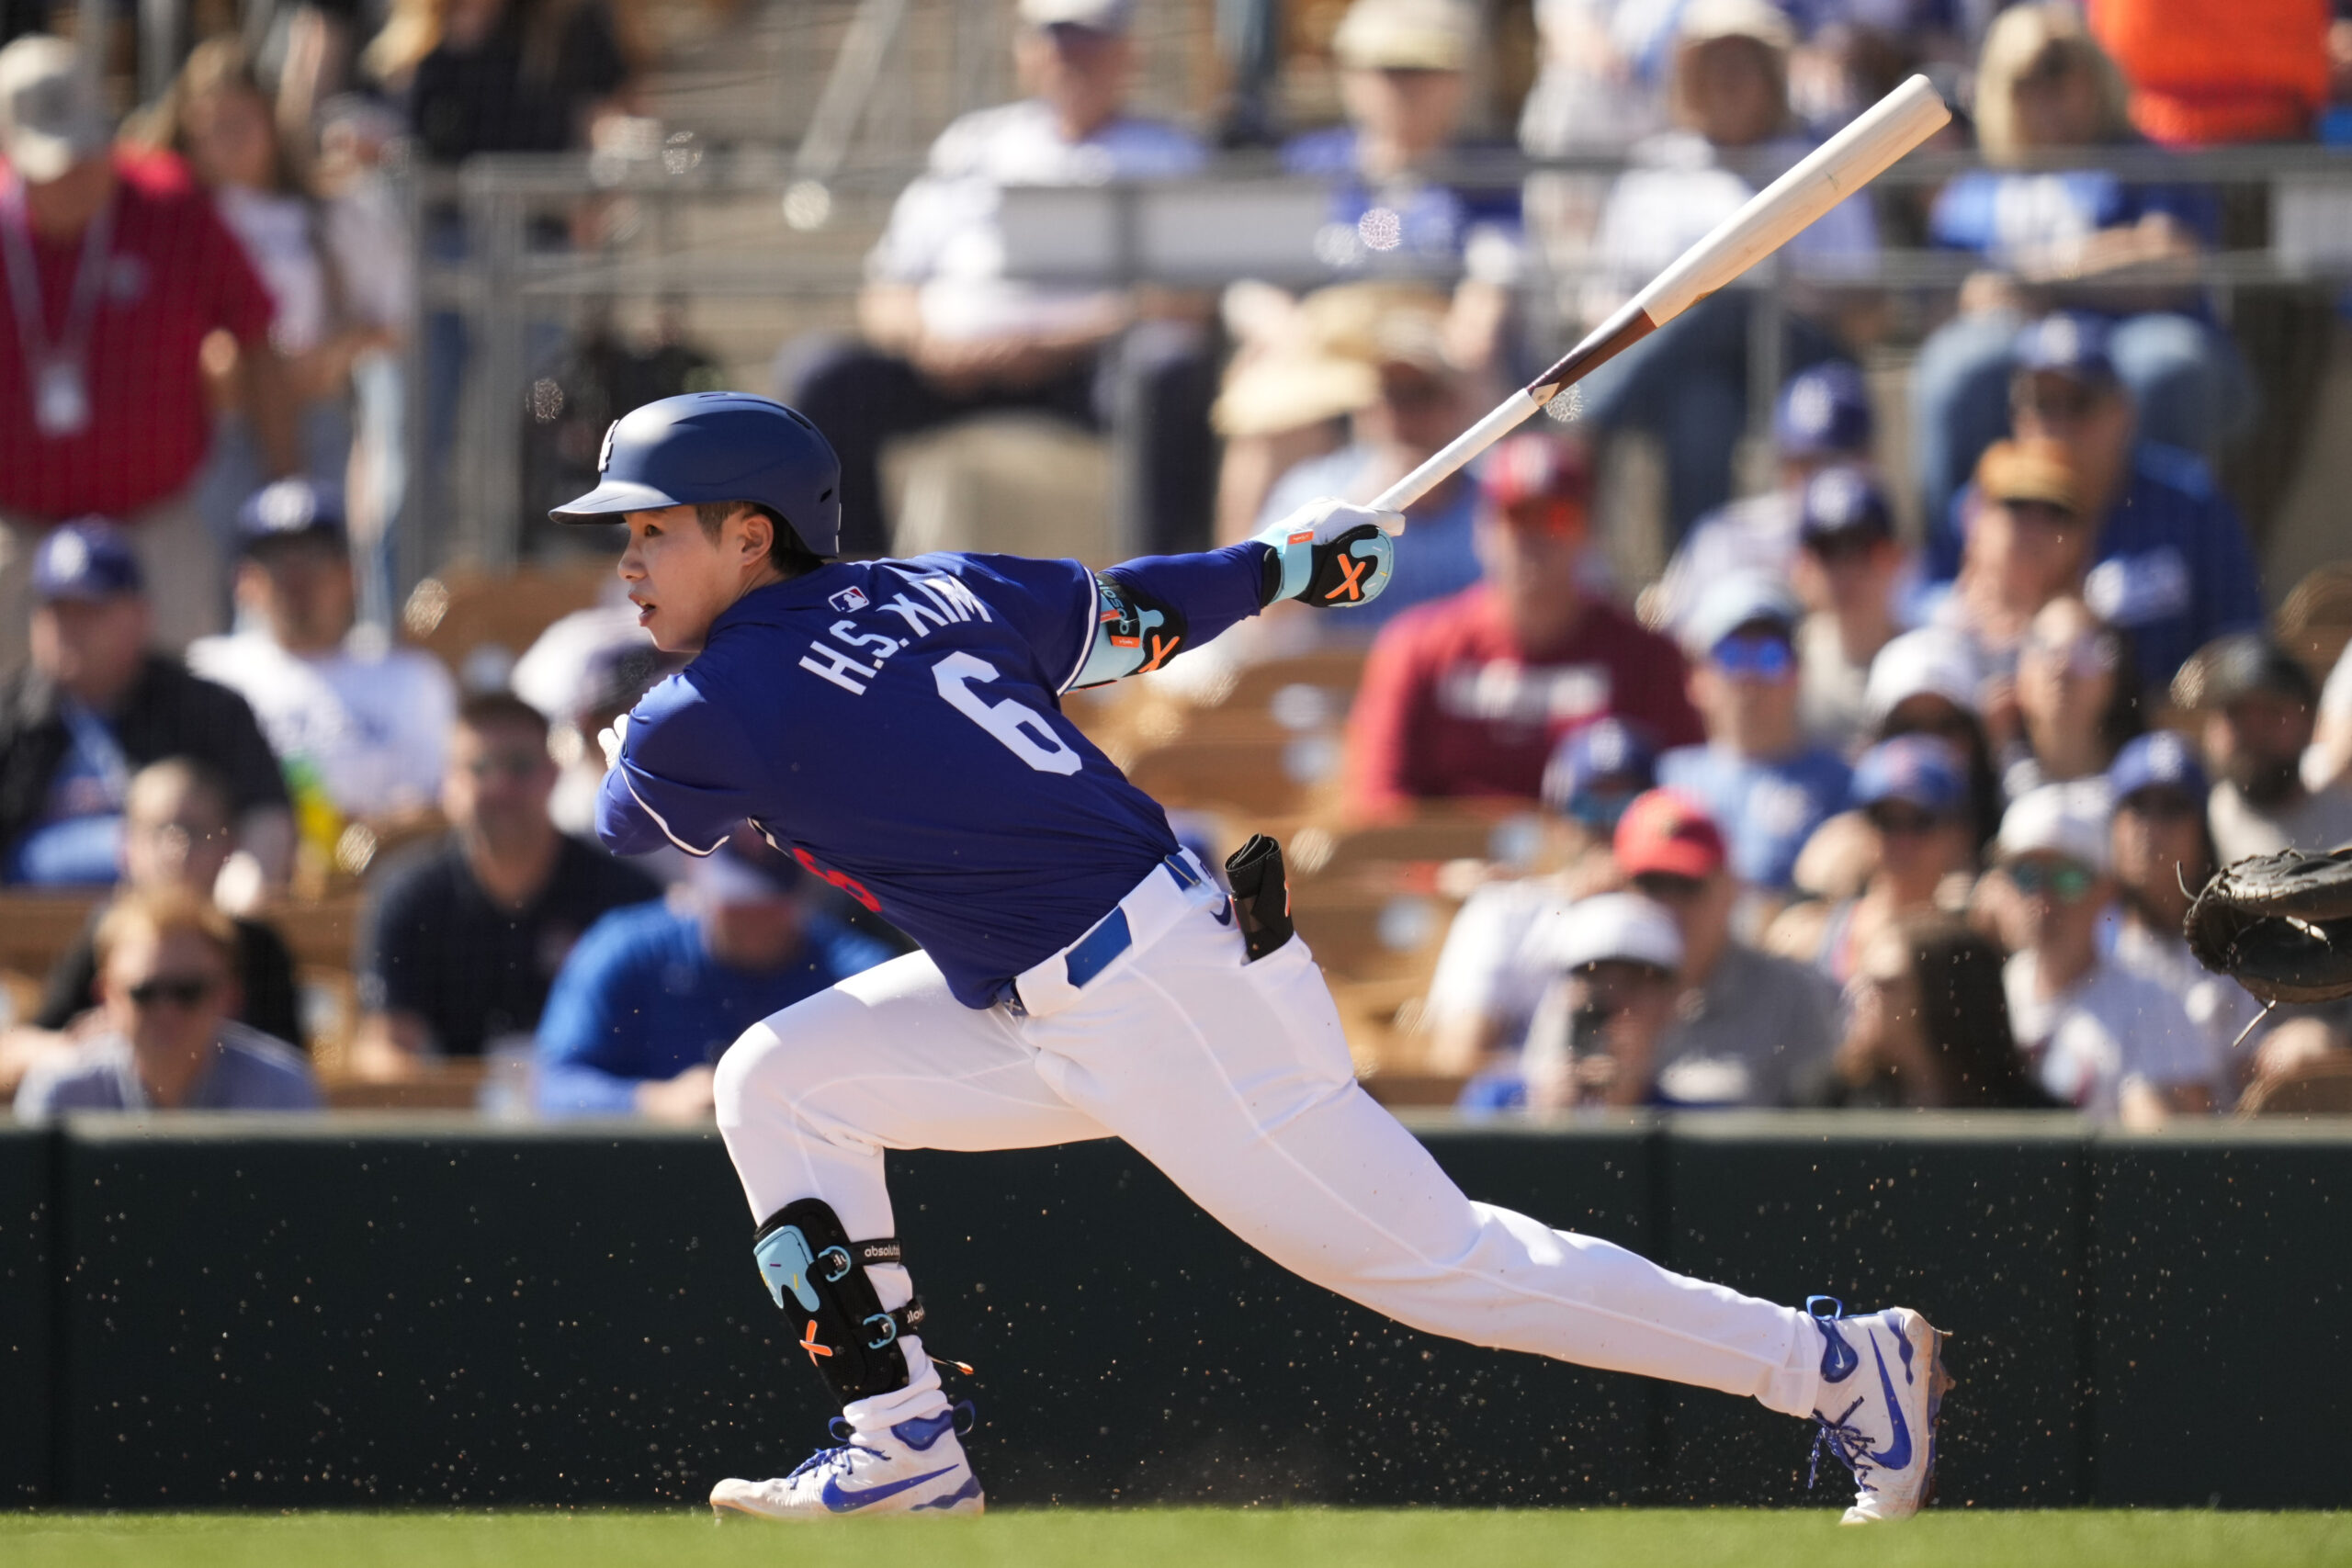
column 896, row 726
column 1766, row 811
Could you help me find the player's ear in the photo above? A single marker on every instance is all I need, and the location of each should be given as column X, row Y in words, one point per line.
column 757, row 535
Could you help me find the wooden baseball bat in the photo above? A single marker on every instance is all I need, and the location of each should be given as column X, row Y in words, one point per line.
column 1771, row 219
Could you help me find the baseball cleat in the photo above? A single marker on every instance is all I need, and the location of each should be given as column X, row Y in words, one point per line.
column 1882, row 1383
column 918, row 1468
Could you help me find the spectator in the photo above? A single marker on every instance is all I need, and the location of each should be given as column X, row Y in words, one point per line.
column 1912, row 793
column 102, row 400
column 2257, row 703
column 2045, row 86
column 167, row 964
column 337, row 271
column 654, row 994
column 1748, row 1029
column 2027, row 545
column 1927, row 1026
column 1483, row 990
column 947, row 335
column 2100, row 1037
column 1601, row 85
column 1421, row 406
column 176, row 834
column 2170, row 564
column 1847, row 569
column 461, row 940
column 1686, row 385
column 1927, row 683
column 1469, row 696
column 1756, row 775
column 583, row 672
column 2327, row 760
column 1603, row 1026
column 2162, row 853
column 364, row 724
column 1822, row 419
column 2077, row 699
column 2205, row 72
column 96, row 705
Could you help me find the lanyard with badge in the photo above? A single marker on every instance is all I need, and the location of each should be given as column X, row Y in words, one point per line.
column 56, row 374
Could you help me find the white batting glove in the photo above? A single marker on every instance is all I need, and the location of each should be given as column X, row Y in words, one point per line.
column 1330, row 554
column 610, row 739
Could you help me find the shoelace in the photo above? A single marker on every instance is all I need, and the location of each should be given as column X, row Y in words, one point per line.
column 1849, row 1444
column 825, row 1458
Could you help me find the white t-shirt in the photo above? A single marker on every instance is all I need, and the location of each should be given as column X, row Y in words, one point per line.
column 945, row 236
column 2112, row 1027
column 374, row 726
column 1486, row 969
column 2317, row 822
column 2216, row 1004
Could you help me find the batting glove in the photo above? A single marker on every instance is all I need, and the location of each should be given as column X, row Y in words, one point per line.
column 1329, row 554
column 610, row 739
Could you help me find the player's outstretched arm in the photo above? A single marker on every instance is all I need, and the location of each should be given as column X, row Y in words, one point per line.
column 1327, row 553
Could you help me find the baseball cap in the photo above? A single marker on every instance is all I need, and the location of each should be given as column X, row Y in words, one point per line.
column 1823, row 411
column 2245, row 663
column 1843, row 500
column 290, row 509
column 1665, row 830
column 1095, row 15
column 1917, row 770
column 1704, row 20
column 1744, row 598
column 87, row 560
column 1403, row 35
column 1535, row 467
column 1606, row 748
column 2067, row 819
column 2039, row 470
column 2158, row 759
column 2069, row 342
column 1623, row 927
column 1929, row 661
column 51, row 118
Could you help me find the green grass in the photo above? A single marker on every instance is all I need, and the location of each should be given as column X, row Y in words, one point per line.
column 1177, row 1538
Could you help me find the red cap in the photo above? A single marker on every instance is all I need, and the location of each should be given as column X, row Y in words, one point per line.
column 1665, row 830
column 1535, row 467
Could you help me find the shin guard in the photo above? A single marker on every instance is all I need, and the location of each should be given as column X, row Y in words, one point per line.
column 816, row 1272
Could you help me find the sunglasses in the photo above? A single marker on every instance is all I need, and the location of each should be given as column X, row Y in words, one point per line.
column 1899, row 821
column 2086, row 657
column 2065, row 882
column 1755, row 658
column 1666, row 887
column 512, row 765
column 181, row 991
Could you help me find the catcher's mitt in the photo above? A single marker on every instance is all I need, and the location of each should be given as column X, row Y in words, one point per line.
column 2280, row 925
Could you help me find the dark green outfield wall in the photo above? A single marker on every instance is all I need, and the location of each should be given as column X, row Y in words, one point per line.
column 252, row 1313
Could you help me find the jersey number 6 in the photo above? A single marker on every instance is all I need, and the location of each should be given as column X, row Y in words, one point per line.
column 1021, row 729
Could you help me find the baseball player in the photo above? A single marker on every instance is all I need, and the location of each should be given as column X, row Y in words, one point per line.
column 896, row 725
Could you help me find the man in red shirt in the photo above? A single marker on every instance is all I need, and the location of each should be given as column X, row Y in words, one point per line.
column 117, row 268
column 1468, row 696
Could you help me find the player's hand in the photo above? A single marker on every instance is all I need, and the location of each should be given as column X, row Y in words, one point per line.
column 1329, row 554
column 611, row 738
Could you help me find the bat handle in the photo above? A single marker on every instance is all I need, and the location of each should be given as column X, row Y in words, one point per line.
column 1506, row 417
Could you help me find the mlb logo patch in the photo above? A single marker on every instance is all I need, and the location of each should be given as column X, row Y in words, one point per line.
column 848, row 599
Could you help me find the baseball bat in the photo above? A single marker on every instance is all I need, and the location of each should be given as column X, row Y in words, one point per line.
column 1771, row 219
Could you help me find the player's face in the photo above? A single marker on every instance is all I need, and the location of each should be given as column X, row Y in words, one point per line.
column 679, row 577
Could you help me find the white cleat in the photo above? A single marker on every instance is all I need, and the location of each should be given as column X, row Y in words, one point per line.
column 1882, row 1383
column 918, row 1468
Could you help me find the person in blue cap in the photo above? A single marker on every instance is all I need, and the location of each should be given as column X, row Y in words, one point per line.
column 1822, row 419
column 368, row 722
column 97, row 705
column 1912, row 793
column 1851, row 569
column 1765, row 784
column 2170, row 562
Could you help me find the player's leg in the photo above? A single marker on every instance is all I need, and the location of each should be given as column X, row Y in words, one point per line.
column 808, row 1102
column 1247, row 1098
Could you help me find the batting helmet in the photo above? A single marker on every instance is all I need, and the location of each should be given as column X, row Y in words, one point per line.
column 706, row 446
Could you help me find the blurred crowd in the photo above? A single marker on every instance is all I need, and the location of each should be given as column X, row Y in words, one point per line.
column 1881, row 775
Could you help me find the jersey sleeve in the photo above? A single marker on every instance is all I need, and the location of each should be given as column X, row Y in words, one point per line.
column 678, row 780
column 1213, row 590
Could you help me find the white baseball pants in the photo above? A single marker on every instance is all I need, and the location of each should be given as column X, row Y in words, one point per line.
column 1235, row 1080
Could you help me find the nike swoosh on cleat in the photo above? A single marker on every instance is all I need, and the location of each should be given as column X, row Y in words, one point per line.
column 841, row 1501
column 1896, row 1455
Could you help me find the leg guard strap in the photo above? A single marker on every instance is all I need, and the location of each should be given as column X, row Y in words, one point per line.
column 819, row 1274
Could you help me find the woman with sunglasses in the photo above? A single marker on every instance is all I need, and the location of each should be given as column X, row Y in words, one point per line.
column 166, row 982
column 2077, row 699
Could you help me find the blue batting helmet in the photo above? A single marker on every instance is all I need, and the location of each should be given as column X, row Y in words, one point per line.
column 706, row 446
